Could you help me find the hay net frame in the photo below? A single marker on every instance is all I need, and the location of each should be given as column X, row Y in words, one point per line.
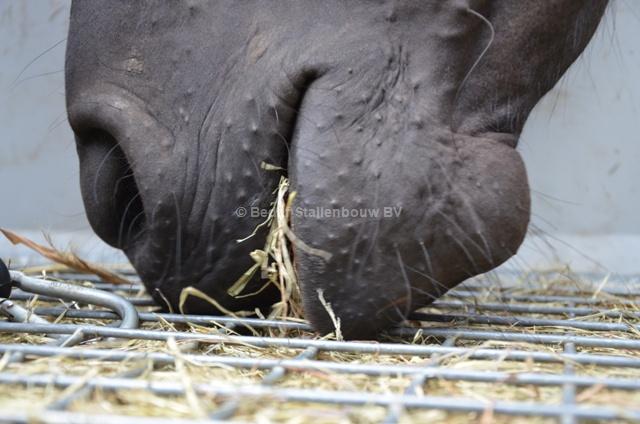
column 542, row 346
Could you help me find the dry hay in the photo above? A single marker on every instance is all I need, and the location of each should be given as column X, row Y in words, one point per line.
column 143, row 403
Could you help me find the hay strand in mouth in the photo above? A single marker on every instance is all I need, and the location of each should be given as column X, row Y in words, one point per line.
column 275, row 261
column 282, row 272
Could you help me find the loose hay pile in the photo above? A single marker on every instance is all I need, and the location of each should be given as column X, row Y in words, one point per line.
column 461, row 310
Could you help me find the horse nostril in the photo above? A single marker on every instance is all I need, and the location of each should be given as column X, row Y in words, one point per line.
column 109, row 189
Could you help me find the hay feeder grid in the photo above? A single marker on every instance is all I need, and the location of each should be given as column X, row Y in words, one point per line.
column 588, row 333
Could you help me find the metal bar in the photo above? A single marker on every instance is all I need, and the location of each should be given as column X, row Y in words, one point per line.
column 126, row 311
column 328, row 397
column 17, row 313
column 426, row 351
column 533, row 309
column 506, row 297
column 302, row 364
column 552, row 339
column 524, row 322
column 206, row 320
column 361, row 347
column 24, row 296
column 264, row 323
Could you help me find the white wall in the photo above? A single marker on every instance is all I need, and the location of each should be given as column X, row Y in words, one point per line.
column 39, row 187
column 38, row 169
column 581, row 144
column 582, row 149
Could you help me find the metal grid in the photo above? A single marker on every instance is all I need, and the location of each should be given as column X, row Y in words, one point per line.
column 586, row 334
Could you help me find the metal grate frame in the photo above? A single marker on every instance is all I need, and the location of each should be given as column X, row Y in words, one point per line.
column 493, row 308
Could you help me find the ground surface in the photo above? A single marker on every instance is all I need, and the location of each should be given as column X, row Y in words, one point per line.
column 538, row 346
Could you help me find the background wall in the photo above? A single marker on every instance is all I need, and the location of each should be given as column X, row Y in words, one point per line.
column 581, row 145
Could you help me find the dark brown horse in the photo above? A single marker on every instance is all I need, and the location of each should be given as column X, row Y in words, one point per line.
column 397, row 119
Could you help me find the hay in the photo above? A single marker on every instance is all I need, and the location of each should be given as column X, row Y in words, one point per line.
column 65, row 259
column 275, row 263
column 143, row 403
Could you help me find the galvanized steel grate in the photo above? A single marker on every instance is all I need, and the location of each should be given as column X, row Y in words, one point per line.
column 546, row 345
